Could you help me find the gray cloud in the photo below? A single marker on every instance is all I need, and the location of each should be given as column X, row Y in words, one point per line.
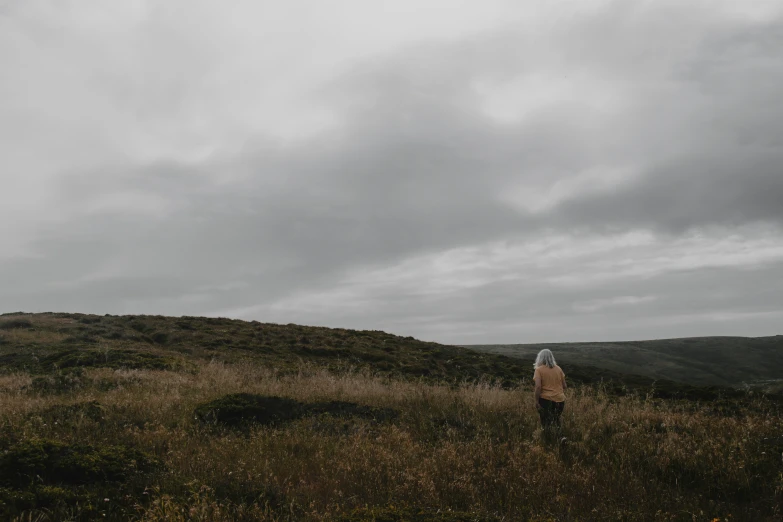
column 626, row 119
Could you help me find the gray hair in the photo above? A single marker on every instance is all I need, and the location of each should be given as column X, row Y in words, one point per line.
column 545, row 357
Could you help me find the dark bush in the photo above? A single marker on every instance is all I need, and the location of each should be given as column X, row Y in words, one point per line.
column 61, row 479
column 241, row 409
column 185, row 325
column 52, row 462
column 160, row 338
column 114, row 335
column 11, row 324
column 139, row 326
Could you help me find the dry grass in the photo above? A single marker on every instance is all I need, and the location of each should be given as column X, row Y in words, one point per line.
column 475, row 448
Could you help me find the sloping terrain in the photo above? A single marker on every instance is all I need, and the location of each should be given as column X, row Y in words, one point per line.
column 40, row 343
column 722, row 361
column 57, row 342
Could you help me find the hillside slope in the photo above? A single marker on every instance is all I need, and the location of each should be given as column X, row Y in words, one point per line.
column 722, row 361
column 55, row 342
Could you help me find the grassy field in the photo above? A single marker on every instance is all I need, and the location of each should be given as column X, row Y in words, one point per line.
column 102, row 421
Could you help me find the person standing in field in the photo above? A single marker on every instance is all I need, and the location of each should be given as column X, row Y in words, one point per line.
column 550, row 386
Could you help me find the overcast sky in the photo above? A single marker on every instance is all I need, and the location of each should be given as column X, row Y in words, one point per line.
column 501, row 171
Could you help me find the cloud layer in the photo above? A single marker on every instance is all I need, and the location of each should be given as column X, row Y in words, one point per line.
column 503, row 173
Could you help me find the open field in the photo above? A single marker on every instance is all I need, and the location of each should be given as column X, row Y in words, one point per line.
column 144, row 430
column 473, row 449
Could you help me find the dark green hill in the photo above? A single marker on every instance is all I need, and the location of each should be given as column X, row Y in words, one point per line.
column 53, row 343
column 720, row 361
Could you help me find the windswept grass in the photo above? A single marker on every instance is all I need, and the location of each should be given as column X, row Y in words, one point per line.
column 452, row 453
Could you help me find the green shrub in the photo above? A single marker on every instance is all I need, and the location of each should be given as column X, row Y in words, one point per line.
column 50, row 462
column 75, row 482
column 62, row 381
column 115, row 335
column 132, row 359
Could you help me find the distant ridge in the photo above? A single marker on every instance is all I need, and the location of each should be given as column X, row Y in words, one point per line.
column 721, row 361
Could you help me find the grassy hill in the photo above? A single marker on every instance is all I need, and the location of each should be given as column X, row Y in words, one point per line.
column 704, row 361
column 40, row 343
column 48, row 342
column 191, row 419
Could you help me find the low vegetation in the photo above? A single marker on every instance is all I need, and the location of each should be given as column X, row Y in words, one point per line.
column 49, row 476
column 236, row 434
column 244, row 410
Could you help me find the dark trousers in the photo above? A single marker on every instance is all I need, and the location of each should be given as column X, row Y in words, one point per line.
column 550, row 412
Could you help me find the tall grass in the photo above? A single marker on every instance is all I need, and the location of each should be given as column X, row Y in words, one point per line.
column 473, row 448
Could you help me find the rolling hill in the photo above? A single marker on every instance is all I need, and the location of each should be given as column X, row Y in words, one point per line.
column 704, row 361
column 53, row 342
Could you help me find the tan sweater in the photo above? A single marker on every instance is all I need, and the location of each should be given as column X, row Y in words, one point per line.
column 551, row 383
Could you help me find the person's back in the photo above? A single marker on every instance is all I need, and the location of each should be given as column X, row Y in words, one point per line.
column 549, row 391
column 551, row 383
